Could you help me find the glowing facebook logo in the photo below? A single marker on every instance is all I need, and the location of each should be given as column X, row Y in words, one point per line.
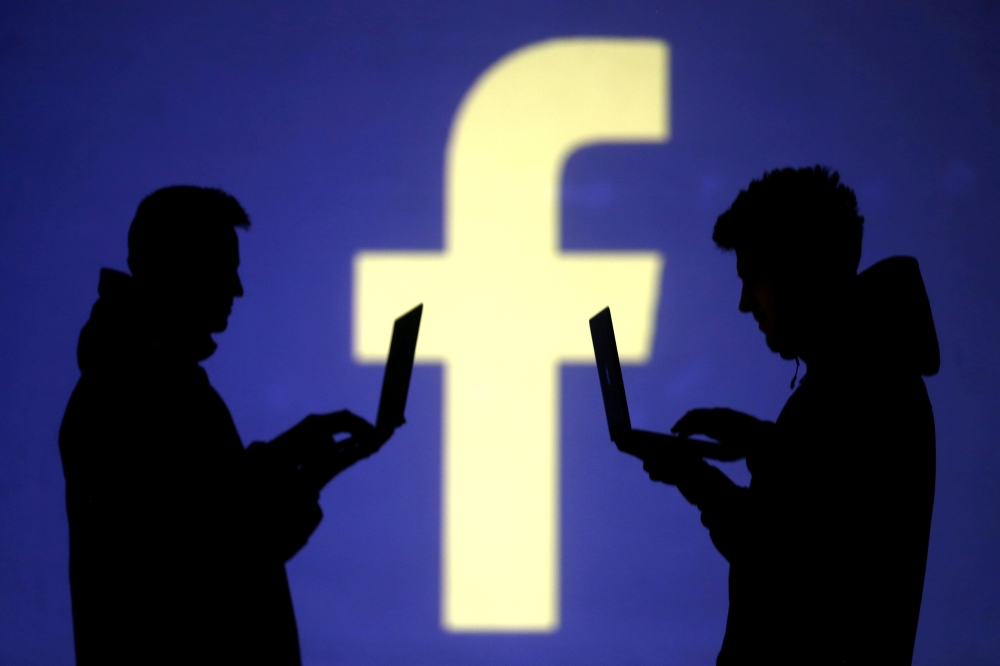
column 504, row 306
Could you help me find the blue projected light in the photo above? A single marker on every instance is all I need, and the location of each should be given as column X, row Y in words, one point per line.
column 516, row 167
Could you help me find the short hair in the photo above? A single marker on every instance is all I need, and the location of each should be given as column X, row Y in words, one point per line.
column 180, row 225
column 796, row 221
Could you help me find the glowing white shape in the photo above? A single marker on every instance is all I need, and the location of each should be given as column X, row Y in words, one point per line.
column 503, row 307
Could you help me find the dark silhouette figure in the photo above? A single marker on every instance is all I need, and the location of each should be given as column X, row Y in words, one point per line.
column 828, row 545
column 179, row 535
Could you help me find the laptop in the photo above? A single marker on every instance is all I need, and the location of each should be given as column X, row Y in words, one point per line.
column 609, row 369
column 639, row 443
column 398, row 368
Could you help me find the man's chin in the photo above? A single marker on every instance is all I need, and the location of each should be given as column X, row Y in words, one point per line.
column 775, row 344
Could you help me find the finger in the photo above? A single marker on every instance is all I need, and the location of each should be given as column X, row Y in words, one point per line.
column 355, row 425
column 719, row 423
column 656, row 474
column 342, row 421
column 359, row 448
column 694, row 422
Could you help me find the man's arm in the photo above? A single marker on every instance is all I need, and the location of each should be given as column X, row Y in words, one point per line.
column 285, row 476
column 679, row 461
column 723, row 504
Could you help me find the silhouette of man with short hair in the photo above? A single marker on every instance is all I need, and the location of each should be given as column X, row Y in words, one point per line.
column 179, row 535
column 828, row 545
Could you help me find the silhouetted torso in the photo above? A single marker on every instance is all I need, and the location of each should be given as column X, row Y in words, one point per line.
column 178, row 535
column 831, row 569
column 828, row 545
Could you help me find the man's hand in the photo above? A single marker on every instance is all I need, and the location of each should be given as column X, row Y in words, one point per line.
column 671, row 466
column 677, row 461
column 664, row 457
column 726, row 426
column 311, row 445
column 316, row 432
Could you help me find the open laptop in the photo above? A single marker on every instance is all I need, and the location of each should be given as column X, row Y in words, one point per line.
column 609, row 369
column 636, row 442
column 398, row 368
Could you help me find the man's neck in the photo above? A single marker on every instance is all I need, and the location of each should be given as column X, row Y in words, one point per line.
column 173, row 331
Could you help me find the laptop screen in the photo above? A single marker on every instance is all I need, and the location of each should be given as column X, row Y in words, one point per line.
column 398, row 368
column 609, row 370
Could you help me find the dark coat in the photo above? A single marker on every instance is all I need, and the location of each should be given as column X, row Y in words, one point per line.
column 178, row 535
column 828, row 545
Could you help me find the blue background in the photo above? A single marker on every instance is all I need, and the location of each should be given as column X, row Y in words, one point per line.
column 329, row 120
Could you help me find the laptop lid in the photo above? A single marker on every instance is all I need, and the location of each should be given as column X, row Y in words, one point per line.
column 609, row 369
column 398, row 368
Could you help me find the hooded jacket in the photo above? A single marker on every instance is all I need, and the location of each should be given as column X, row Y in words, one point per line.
column 178, row 535
column 828, row 545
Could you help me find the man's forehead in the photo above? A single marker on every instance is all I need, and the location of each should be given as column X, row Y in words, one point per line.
column 223, row 238
column 217, row 246
column 751, row 263
column 231, row 247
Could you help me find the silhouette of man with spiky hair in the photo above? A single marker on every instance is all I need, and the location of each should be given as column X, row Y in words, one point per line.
column 179, row 534
column 828, row 545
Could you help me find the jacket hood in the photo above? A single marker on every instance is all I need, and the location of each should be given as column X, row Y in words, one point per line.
column 123, row 331
column 894, row 315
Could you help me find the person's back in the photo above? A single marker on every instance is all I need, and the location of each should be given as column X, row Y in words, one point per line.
column 179, row 535
column 162, row 565
column 828, row 545
column 840, row 505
